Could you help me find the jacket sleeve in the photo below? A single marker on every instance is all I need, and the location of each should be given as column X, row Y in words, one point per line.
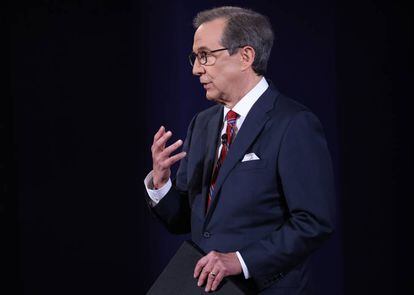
column 174, row 209
column 305, row 171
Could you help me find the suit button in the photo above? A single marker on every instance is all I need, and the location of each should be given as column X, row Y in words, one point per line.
column 206, row 234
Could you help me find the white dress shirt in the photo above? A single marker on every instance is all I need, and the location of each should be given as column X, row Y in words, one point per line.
column 242, row 108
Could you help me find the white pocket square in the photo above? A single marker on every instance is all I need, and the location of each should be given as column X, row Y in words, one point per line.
column 250, row 157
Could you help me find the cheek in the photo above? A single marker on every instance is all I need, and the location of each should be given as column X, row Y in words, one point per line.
column 219, row 78
column 223, row 76
column 224, row 81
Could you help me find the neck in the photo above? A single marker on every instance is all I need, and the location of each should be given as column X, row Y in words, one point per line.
column 247, row 84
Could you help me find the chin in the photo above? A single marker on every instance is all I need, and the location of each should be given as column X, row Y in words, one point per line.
column 209, row 96
column 213, row 97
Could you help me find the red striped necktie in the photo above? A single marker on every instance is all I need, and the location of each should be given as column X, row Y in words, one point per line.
column 226, row 139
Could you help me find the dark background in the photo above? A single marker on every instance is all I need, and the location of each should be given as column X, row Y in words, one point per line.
column 91, row 81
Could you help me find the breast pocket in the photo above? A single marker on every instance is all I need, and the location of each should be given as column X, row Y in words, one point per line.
column 250, row 165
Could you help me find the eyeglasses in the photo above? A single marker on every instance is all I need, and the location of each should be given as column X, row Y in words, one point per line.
column 205, row 58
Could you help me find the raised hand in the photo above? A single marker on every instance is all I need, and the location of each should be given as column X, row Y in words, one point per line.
column 161, row 156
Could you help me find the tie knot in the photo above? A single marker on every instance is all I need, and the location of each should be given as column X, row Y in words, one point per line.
column 231, row 117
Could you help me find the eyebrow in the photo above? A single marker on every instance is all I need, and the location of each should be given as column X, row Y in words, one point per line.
column 203, row 48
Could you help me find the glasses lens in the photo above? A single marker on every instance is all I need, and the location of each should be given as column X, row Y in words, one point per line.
column 203, row 57
column 192, row 58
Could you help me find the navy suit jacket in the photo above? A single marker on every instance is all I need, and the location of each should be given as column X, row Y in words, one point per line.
column 275, row 211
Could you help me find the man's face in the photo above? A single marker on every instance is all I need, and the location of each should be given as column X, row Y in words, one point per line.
column 220, row 80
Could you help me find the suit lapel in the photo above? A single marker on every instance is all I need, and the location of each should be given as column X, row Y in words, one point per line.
column 253, row 124
column 212, row 132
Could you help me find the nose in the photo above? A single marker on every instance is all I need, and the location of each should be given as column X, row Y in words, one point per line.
column 198, row 69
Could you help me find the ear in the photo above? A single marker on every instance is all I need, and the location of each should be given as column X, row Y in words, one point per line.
column 247, row 55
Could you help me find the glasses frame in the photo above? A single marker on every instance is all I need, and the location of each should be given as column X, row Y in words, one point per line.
column 196, row 56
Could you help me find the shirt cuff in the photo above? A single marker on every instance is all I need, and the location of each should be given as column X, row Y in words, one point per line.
column 156, row 195
column 243, row 265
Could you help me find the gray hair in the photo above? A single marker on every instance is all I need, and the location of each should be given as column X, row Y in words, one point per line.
column 244, row 27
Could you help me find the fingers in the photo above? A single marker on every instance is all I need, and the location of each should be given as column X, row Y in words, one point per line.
column 172, row 160
column 159, row 133
column 204, row 267
column 199, row 266
column 213, row 280
column 217, row 280
column 214, row 267
column 160, row 153
column 203, row 276
column 159, row 144
column 168, row 150
column 163, row 159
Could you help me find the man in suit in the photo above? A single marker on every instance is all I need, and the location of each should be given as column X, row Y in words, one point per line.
column 254, row 184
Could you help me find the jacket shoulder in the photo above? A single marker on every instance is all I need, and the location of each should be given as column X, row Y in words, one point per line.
column 289, row 106
column 207, row 113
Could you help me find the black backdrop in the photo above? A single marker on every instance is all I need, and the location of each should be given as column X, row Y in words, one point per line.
column 91, row 81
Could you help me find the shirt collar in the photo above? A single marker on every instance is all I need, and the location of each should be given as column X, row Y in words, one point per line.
column 245, row 104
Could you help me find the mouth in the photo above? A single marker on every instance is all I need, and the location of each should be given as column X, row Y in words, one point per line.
column 206, row 85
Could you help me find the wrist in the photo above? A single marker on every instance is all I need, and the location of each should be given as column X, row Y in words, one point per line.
column 157, row 184
column 239, row 266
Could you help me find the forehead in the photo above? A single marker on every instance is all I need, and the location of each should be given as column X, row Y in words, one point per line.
column 208, row 35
